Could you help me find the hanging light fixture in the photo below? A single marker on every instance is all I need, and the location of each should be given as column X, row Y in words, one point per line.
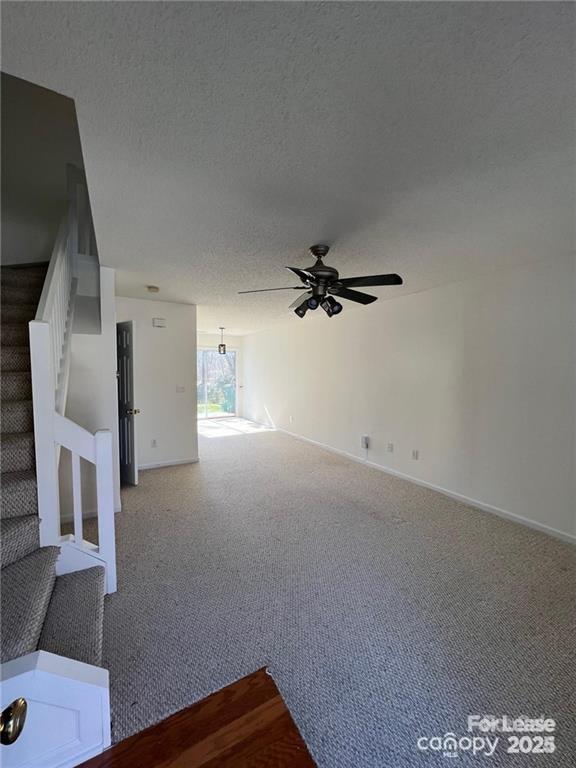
column 221, row 346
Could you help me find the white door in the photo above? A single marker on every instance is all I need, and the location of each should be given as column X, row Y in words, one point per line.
column 126, row 409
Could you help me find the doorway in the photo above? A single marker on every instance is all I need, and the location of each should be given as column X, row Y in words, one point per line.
column 216, row 376
column 126, row 409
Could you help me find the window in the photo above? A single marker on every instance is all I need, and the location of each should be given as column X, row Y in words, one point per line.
column 216, row 383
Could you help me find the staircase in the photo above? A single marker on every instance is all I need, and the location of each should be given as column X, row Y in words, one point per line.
column 40, row 610
column 53, row 585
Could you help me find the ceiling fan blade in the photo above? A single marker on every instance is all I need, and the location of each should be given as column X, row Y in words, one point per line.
column 300, row 299
column 392, row 279
column 307, row 277
column 346, row 293
column 264, row 290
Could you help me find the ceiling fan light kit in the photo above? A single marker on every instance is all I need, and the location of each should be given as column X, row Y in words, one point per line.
column 331, row 306
column 301, row 309
column 323, row 282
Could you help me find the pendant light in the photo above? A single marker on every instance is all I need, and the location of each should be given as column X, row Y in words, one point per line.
column 221, row 346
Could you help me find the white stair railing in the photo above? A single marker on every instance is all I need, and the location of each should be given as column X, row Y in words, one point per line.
column 50, row 337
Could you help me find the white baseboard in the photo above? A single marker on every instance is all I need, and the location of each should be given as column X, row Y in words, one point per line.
column 68, row 517
column 159, row 464
column 542, row 527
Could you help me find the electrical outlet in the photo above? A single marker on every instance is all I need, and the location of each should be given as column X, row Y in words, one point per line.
column 154, row 444
column 290, row 419
column 390, row 447
column 365, row 441
column 415, row 454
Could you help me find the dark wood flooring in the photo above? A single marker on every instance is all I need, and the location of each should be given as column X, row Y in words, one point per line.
column 244, row 725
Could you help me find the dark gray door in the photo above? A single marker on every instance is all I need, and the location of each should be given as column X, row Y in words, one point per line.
column 126, row 409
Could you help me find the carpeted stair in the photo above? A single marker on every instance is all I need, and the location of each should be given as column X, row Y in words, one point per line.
column 64, row 614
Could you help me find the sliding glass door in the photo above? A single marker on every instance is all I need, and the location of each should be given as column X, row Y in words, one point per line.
column 216, row 384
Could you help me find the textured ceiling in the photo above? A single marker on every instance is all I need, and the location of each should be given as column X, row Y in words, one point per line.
column 222, row 139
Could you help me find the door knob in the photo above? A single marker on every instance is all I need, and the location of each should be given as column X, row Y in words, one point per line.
column 132, row 411
column 12, row 721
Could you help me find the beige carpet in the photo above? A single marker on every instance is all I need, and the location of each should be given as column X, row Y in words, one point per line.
column 384, row 611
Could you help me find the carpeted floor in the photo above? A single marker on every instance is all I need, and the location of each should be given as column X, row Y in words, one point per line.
column 384, row 611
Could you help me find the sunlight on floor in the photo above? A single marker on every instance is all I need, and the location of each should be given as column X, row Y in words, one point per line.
column 229, row 427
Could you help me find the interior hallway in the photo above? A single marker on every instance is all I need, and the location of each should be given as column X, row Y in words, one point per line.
column 384, row 611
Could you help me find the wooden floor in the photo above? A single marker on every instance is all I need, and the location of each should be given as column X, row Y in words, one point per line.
column 244, row 725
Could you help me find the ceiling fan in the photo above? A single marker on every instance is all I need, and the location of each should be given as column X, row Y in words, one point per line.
column 323, row 283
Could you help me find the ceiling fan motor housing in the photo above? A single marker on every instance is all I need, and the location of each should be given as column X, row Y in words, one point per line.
column 325, row 275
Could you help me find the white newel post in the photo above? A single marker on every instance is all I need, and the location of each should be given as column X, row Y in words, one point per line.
column 44, row 404
column 105, row 502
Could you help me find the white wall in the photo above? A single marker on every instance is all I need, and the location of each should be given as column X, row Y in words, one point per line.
column 478, row 376
column 93, row 395
column 164, row 360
